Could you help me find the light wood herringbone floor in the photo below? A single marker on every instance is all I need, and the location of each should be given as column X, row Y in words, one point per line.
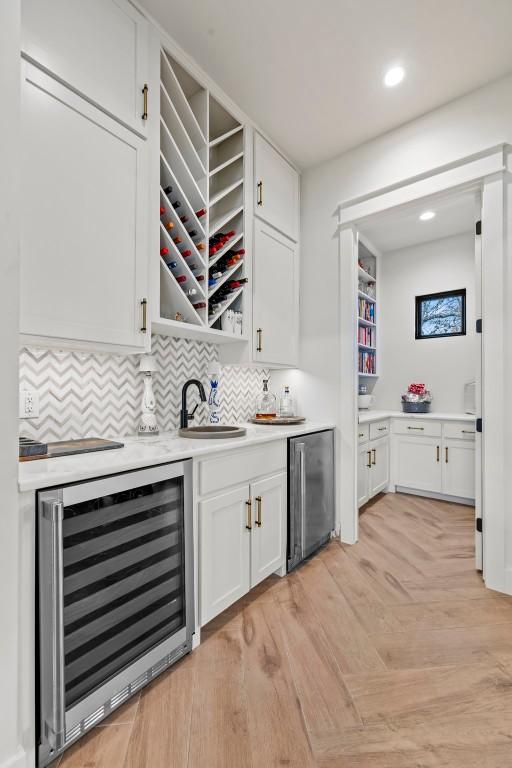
column 388, row 654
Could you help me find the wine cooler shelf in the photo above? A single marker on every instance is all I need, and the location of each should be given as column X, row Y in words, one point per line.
column 202, row 249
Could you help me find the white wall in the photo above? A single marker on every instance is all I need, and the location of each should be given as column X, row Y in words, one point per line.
column 10, row 737
column 443, row 364
column 468, row 125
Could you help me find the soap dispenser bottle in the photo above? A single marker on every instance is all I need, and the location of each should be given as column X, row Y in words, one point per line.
column 213, row 396
column 266, row 404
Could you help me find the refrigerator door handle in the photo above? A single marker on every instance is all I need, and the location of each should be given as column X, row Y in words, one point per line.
column 53, row 512
column 301, row 449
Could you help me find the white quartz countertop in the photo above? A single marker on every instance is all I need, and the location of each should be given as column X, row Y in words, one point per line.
column 146, row 451
column 367, row 416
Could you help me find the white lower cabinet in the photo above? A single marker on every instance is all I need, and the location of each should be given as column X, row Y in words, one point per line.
column 459, row 468
column 418, row 462
column 242, row 540
column 379, row 471
column 224, row 551
column 443, row 462
column 363, row 467
column 372, row 467
column 268, row 535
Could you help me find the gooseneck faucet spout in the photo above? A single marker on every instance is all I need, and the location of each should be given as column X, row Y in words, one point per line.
column 185, row 416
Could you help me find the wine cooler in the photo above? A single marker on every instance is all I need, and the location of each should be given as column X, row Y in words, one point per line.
column 116, row 599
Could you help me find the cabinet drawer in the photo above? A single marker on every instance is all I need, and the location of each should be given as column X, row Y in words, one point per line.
column 241, row 466
column 363, row 433
column 417, row 427
column 379, row 429
column 462, row 430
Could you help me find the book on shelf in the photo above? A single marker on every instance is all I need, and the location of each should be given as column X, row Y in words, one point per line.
column 366, row 310
column 366, row 362
column 366, row 336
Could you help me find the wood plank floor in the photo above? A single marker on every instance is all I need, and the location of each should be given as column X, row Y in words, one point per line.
column 388, row 654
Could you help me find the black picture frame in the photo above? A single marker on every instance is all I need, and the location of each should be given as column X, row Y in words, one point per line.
column 461, row 292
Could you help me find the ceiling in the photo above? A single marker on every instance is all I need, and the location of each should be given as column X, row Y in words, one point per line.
column 402, row 228
column 310, row 73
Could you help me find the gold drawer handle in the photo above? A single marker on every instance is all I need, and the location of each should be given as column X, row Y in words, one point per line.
column 382, row 429
column 369, row 453
column 258, row 511
column 419, row 428
column 259, row 186
column 468, row 431
column 259, row 344
column 248, row 524
column 374, row 457
column 145, row 94
column 437, row 458
column 446, row 455
column 144, row 326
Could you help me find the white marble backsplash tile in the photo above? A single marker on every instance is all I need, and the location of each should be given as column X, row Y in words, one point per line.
column 84, row 394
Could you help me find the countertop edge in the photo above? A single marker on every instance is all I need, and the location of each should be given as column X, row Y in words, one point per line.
column 366, row 417
column 45, row 473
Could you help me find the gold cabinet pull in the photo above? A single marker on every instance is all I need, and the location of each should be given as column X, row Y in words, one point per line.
column 258, row 511
column 446, row 455
column 145, row 95
column 468, row 431
column 144, row 326
column 248, row 524
column 382, row 429
column 369, row 453
column 259, row 187
column 259, row 344
column 437, row 453
column 374, row 456
column 419, row 428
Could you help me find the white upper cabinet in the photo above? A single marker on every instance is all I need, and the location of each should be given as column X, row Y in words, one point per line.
column 275, row 298
column 84, row 228
column 98, row 47
column 276, row 198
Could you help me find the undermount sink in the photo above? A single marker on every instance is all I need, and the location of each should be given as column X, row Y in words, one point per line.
column 212, row 432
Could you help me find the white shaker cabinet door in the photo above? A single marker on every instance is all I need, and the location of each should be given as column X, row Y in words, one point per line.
column 419, row 463
column 98, row 47
column 276, row 300
column 459, row 468
column 277, row 189
column 84, row 255
column 363, row 469
column 269, row 526
column 379, row 473
column 224, row 551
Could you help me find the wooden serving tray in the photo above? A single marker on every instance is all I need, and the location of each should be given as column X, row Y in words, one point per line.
column 71, row 447
column 280, row 420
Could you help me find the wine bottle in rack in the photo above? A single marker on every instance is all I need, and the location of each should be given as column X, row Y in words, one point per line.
column 186, row 253
column 181, row 278
column 200, row 213
column 190, row 292
column 176, row 204
column 162, row 210
column 183, row 219
column 177, row 240
column 199, row 305
column 200, row 246
column 170, row 225
column 164, row 251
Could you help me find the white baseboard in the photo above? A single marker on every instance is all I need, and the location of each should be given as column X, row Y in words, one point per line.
column 438, row 496
column 18, row 760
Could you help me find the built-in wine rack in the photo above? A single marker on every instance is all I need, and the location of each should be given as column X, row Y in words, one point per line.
column 202, row 246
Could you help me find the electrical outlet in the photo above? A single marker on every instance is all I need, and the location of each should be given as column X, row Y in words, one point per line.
column 29, row 404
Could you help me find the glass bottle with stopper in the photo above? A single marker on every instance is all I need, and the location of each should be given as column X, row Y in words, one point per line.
column 266, row 404
column 286, row 404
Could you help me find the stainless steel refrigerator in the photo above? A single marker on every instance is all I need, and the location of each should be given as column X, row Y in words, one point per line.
column 310, row 494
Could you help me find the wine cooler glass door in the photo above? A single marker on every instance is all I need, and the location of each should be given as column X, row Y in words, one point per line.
column 115, row 575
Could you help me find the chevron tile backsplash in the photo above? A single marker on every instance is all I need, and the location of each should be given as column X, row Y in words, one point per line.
column 83, row 394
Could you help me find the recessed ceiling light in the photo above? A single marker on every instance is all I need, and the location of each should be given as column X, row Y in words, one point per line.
column 394, row 76
column 427, row 215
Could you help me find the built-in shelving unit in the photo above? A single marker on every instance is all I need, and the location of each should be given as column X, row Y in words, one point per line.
column 202, row 207
column 367, row 313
